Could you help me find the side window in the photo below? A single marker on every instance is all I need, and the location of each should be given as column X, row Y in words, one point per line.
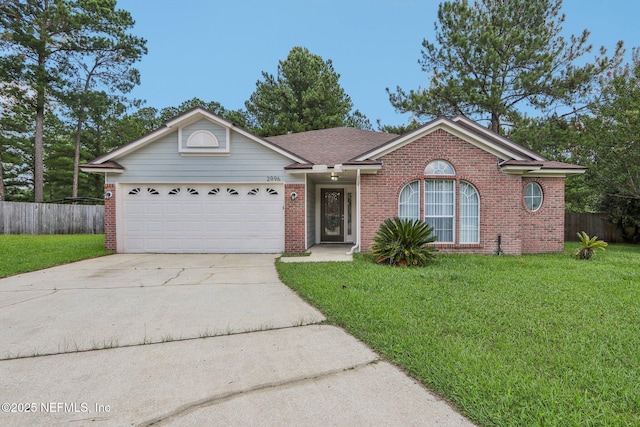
column 409, row 203
column 533, row 196
column 469, row 213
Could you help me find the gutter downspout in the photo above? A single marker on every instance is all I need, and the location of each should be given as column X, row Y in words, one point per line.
column 357, row 245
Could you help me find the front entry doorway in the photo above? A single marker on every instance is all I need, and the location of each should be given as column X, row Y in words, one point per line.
column 332, row 215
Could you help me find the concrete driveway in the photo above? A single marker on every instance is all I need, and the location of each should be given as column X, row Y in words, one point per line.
column 179, row 340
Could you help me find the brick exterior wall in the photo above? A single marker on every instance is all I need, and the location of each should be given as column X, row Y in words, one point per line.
column 502, row 210
column 110, row 242
column 294, row 219
column 543, row 230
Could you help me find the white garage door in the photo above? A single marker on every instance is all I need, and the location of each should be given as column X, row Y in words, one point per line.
column 202, row 218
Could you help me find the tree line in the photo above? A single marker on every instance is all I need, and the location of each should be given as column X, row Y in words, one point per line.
column 67, row 67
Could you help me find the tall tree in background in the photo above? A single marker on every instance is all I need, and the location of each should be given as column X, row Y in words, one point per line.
column 15, row 146
column 615, row 126
column 238, row 117
column 305, row 95
column 40, row 37
column 105, row 60
column 148, row 119
column 492, row 56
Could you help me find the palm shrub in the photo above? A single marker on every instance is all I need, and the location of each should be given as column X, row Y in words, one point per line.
column 404, row 242
column 589, row 244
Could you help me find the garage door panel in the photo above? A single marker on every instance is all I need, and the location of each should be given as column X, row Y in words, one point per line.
column 172, row 226
column 152, row 208
column 134, row 208
column 155, row 227
column 135, row 245
column 203, row 218
column 166, row 244
column 172, row 208
column 197, row 227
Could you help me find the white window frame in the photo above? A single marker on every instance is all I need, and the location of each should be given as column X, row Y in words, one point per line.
column 465, row 229
column 439, row 167
column 465, row 218
column 449, row 193
column 530, row 198
column 409, row 204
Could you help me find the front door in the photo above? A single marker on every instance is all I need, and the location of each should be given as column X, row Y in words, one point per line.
column 332, row 215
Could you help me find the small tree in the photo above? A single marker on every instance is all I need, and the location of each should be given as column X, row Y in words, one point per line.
column 404, row 242
column 589, row 245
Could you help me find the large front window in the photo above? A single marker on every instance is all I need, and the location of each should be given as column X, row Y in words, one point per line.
column 451, row 206
column 439, row 208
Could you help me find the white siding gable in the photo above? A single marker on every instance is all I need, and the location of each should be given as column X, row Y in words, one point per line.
column 161, row 162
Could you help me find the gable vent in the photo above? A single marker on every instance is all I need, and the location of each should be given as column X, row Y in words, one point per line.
column 202, row 138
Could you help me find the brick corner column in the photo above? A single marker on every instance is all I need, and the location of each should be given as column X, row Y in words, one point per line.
column 294, row 219
column 110, row 243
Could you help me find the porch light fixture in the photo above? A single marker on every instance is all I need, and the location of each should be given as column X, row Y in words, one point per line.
column 334, row 177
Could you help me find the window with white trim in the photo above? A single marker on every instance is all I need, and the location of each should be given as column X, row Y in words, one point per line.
column 409, row 203
column 533, row 196
column 451, row 207
column 469, row 213
column 439, row 208
column 439, row 167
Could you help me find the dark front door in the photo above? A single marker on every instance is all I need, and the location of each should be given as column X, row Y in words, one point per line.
column 332, row 215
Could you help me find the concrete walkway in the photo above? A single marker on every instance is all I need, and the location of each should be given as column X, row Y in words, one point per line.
column 180, row 340
column 324, row 252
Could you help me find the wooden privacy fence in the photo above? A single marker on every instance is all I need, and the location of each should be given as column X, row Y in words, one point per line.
column 594, row 224
column 45, row 218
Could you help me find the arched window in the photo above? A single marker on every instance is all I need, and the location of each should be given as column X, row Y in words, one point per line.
column 439, row 167
column 469, row 213
column 409, row 203
column 451, row 206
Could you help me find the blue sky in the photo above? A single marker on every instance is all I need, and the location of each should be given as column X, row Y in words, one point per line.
column 216, row 50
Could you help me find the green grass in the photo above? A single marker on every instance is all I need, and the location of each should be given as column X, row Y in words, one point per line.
column 511, row 341
column 23, row 253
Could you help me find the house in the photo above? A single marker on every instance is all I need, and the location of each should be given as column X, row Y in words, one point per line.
column 200, row 184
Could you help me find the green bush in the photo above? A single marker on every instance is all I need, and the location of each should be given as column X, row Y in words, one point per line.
column 404, row 242
column 589, row 244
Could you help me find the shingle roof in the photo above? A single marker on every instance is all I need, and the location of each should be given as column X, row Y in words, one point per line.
column 105, row 165
column 331, row 146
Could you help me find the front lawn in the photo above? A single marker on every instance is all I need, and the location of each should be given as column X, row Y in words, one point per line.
column 510, row 341
column 22, row 253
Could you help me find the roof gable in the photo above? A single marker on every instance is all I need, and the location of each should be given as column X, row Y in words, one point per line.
column 203, row 142
column 466, row 130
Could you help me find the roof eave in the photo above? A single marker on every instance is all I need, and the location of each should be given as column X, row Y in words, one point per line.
column 313, row 169
column 88, row 169
column 539, row 171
